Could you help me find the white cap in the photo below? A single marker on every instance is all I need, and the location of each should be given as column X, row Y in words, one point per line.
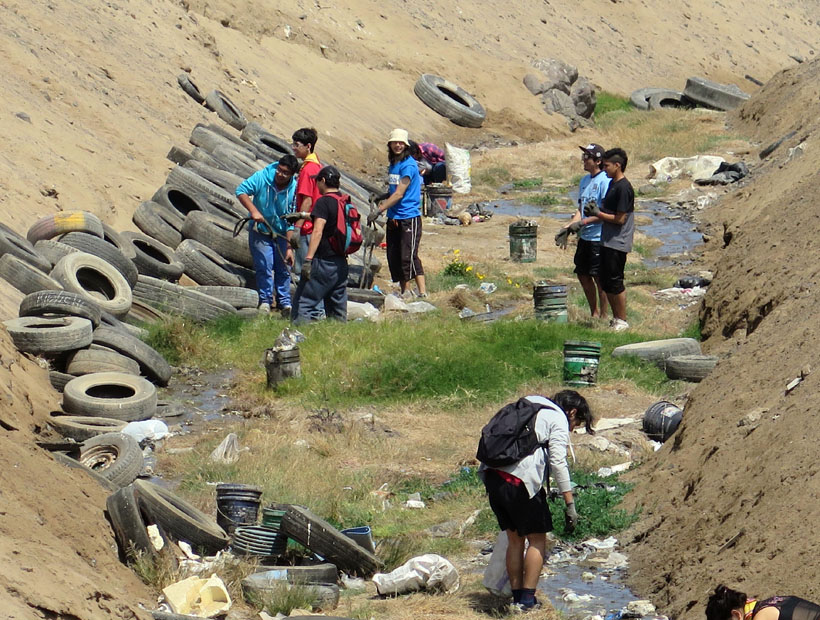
column 399, row 135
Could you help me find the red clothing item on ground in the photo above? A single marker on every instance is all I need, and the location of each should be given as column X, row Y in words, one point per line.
column 306, row 186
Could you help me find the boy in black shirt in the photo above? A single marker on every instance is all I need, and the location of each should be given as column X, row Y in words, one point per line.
column 324, row 272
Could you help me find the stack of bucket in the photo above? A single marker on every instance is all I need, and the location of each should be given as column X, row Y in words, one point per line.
column 237, row 504
column 550, row 302
column 266, row 540
column 581, row 362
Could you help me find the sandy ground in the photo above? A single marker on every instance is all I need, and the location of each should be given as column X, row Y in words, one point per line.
column 91, row 106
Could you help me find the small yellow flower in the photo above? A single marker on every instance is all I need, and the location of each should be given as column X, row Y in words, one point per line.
column 480, row 276
column 509, row 281
column 469, row 268
column 517, row 285
column 456, row 252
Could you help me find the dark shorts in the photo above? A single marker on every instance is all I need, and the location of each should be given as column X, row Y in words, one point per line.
column 514, row 509
column 612, row 270
column 588, row 258
column 403, row 238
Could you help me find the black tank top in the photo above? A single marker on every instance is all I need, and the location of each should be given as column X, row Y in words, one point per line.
column 790, row 608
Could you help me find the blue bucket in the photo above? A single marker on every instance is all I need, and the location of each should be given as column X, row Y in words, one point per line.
column 362, row 536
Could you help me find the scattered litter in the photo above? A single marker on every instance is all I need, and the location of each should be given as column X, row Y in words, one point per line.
column 568, row 596
column 607, row 543
column 605, row 445
column 752, row 418
column 301, row 443
column 362, row 311
column 796, row 151
column 680, row 294
column 656, row 445
column 465, row 313
column 698, row 167
column 394, row 303
column 793, row 384
column 352, row 583
column 414, row 501
column 288, row 339
column 429, row 572
column 615, row 560
column 196, row 596
column 420, row 307
column 587, row 577
column 603, row 472
column 487, row 287
column 468, row 522
column 188, row 551
column 641, row 608
column 698, row 281
column 725, row 174
column 227, row 451
column 157, row 541
column 605, row 424
column 147, row 429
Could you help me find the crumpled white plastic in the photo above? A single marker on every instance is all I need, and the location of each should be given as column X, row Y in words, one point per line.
column 424, row 572
column 227, row 451
column 146, row 429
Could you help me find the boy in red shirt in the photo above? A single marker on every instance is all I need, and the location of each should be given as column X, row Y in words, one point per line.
column 307, row 191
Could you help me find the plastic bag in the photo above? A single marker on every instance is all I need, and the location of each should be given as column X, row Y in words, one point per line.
column 458, row 168
column 425, row 572
column 227, row 451
column 366, row 311
column 146, row 429
column 496, row 579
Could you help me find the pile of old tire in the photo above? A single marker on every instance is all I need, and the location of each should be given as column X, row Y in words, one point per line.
column 134, row 507
column 698, row 92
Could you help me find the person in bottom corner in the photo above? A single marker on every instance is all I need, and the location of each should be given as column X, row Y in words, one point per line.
column 307, row 190
column 728, row 604
column 324, row 272
column 519, row 500
column 403, row 207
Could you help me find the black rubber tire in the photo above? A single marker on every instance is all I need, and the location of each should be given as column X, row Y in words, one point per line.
column 191, row 89
column 365, row 296
column 41, row 336
column 217, row 234
column 158, row 222
column 659, row 350
column 80, row 428
column 52, row 250
column 185, row 301
column 59, row 303
column 88, row 361
column 315, row 573
column 713, row 95
column 25, row 277
column 640, row 98
column 225, row 109
column 152, row 364
column 66, row 460
column 17, row 245
column 205, row 266
column 142, row 313
column 692, row 368
column 116, row 395
column 109, row 320
column 180, row 519
column 193, row 184
column 326, row 594
column 230, row 137
column 669, row 99
column 179, row 202
column 177, row 155
column 209, row 137
column 203, row 157
column 237, row 296
column 236, row 162
column 153, row 258
column 58, row 380
column 65, row 222
column 116, row 239
column 115, row 456
column 106, row 251
column 268, row 145
column 226, row 180
column 128, row 523
column 96, row 280
column 450, row 100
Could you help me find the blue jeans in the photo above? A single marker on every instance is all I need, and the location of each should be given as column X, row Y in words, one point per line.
column 328, row 285
column 271, row 270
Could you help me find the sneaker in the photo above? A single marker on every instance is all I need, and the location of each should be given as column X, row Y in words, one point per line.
column 285, row 310
column 618, row 325
column 264, row 308
column 520, row 608
column 422, row 295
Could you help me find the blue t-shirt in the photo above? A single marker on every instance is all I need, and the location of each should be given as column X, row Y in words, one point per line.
column 592, row 188
column 410, row 204
column 271, row 202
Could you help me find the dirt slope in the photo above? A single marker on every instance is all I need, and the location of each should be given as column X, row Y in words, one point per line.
column 732, row 498
column 91, row 106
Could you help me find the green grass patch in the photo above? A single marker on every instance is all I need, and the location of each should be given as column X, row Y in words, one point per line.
column 494, row 176
column 607, row 102
column 528, row 183
column 544, row 200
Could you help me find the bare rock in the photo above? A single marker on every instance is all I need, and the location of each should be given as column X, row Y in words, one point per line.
column 534, row 84
column 583, row 97
column 556, row 100
column 559, row 74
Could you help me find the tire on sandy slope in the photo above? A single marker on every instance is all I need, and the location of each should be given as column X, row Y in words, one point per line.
column 66, row 460
column 109, row 320
column 58, row 379
column 268, row 145
column 116, row 395
column 669, row 99
column 205, row 266
column 217, row 234
column 59, row 303
column 179, row 201
column 713, row 95
column 115, row 456
column 52, row 250
column 640, row 98
column 80, row 428
column 690, row 367
column 225, row 109
column 158, row 222
column 235, row 161
column 19, row 246
column 96, row 280
column 177, row 155
column 152, row 364
column 226, row 180
column 190, row 182
column 128, row 522
column 450, row 100
column 34, row 334
column 239, row 297
column 25, row 277
column 89, row 361
column 65, row 222
column 106, row 251
column 154, row 258
column 180, row 519
column 182, row 300
column 659, row 350
column 191, row 89
column 209, row 137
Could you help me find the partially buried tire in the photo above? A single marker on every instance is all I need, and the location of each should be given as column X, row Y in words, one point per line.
column 128, row 523
column 43, row 336
column 80, row 428
column 690, row 367
column 96, row 280
column 179, row 519
column 115, row 456
column 115, row 395
column 659, row 350
column 152, row 364
column 450, row 100
column 66, row 460
column 48, row 304
column 191, row 89
column 158, row 222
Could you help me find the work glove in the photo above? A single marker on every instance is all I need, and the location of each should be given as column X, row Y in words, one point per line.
column 571, row 517
column 306, row 265
column 561, row 238
column 574, row 227
column 293, row 242
column 591, row 209
column 295, row 217
column 372, row 216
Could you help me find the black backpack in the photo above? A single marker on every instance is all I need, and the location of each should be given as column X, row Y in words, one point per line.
column 510, row 435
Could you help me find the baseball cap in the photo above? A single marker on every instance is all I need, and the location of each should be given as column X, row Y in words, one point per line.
column 399, row 135
column 596, row 151
column 328, row 174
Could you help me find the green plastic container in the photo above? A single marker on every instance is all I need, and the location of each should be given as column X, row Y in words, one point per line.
column 581, row 362
column 523, row 241
column 550, row 301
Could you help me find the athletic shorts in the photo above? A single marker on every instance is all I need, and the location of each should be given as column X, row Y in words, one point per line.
column 403, row 238
column 514, row 508
column 588, row 258
column 612, row 270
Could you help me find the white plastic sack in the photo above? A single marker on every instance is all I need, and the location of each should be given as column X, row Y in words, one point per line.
column 458, row 168
column 366, row 311
column 425, row 572
column 496, row 579
column 146, row 429
column 227, row 451
column 697, row 167
column 394, row 303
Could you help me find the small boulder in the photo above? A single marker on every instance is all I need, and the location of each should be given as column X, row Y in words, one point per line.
column 559, row 74
column 534, row 84
column 583, row 97
column 555, row 100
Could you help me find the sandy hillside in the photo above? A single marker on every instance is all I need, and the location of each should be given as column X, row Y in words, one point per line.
column 91, row 107
column 732, row 498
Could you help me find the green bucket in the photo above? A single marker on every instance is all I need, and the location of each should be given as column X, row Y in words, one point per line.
column 523, row 241
column 581, row 362
column 550, row 301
